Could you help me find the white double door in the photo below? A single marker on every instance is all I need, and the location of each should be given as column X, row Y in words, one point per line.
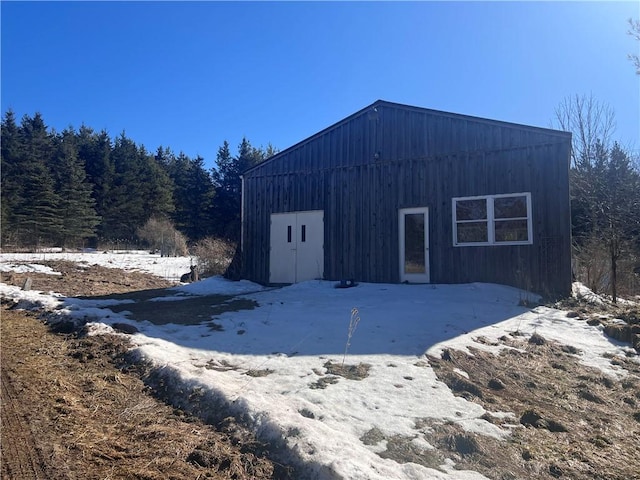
column 297, row 246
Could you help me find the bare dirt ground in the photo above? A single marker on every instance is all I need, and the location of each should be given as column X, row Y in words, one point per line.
column 72, row 410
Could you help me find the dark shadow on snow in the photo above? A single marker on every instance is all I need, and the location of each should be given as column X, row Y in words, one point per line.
column 309, row 334
column 183, row 309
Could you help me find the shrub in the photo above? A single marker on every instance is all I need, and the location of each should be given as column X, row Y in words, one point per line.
column 162, row 236
column 214, row 255
column 592, row 267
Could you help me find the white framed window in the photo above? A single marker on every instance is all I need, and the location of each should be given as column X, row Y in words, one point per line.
column 492, row 220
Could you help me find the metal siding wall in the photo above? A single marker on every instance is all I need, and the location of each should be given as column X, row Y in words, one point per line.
column 543, row 266
column 424, row 160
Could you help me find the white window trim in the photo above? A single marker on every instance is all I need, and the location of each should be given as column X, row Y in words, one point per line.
column 491, row 220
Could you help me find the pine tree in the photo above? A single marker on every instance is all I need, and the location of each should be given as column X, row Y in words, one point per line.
column 76, row 205
column 94, row 150
column 176, row 168
column 10, row 190
column 77, row 185
column 123, row 205
column 36, row 213
column 618, row 208
column 157, row 187
column 605, row 204
column 228, row 184
column 222, row 175
column 140, row 189
column 198, row 200
column 193, row 193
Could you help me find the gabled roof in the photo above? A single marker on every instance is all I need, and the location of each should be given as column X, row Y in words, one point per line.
column 400, row 106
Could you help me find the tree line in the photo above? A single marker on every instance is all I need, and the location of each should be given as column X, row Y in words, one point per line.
column 604, row 180
column 80, row 188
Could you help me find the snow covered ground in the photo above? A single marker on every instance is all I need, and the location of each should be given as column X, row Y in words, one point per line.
column 170, row 268
column 266, row 365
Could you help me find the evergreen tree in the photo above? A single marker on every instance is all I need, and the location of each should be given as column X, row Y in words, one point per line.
column 228, row 183
column 604, row 206
column 36, row 213
column 224, row 200
column 617, row 219
column 165, row 157
column 269, row 152
column 193, row 193
column 10, row 190
column 176, row 168
column 157, row 188
column 77, row 185
column 606, row 202
column 198, row 201
column 94, row 150
column 76, row 206
column 140, row 189
column 123, row 205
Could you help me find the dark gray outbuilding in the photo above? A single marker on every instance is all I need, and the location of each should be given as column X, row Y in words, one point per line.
column 397, row 193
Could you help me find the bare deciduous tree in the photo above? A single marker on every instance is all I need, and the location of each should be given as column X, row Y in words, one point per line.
column 605, row 193
column 606, row 202
column 589, row 121
column 634, row 31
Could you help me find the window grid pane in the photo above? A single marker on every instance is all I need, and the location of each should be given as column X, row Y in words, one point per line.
column 472, row 232
column 475, row 209
column 510, row 207
column 492, row 220
column 511, row 231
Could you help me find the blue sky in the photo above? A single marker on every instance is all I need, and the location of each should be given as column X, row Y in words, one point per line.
column 191, row 75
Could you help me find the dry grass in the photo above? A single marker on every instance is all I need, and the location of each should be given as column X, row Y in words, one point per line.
column 351, row 372
column 402, row 450
column 324, row 382
column 570, row 421
column 573, row 421
column 336, row 370
column 608, row 315
column 592, row 266
column 77, row 280
column 91, row 420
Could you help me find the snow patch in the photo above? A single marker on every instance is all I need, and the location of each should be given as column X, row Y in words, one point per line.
column 28, row 268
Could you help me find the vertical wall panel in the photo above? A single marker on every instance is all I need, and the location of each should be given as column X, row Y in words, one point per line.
column 362, row 170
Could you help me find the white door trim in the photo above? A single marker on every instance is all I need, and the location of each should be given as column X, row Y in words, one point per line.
column 413, row 277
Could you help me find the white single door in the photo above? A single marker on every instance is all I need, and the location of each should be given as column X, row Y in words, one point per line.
column 414, row 245
column 297, row 246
